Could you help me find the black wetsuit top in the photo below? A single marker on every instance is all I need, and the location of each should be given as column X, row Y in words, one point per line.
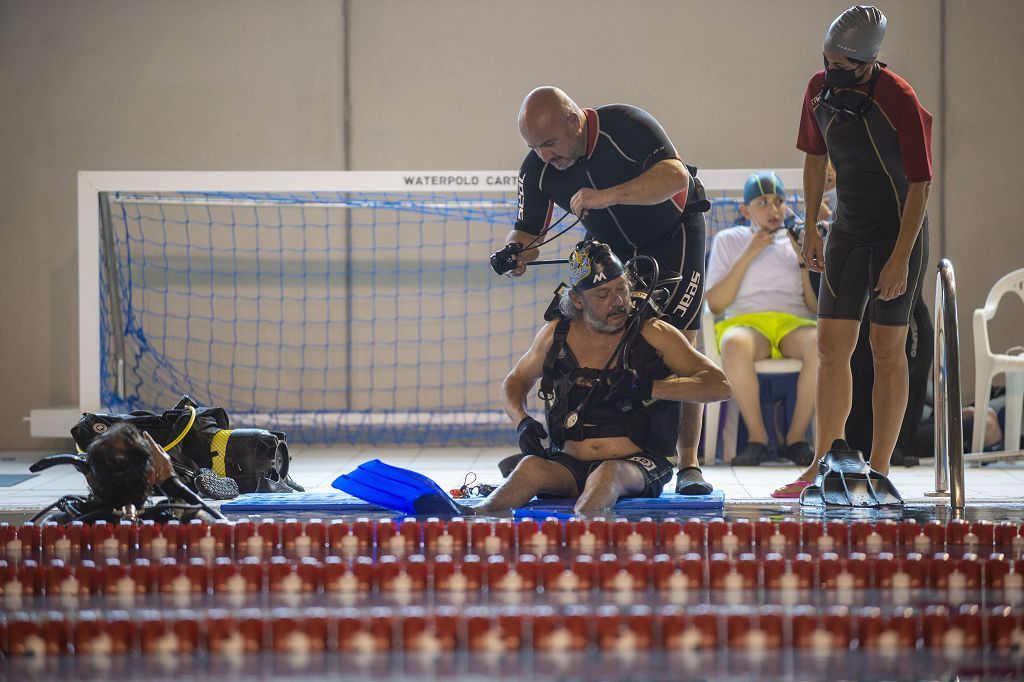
column 623, row 142
column 876, row 157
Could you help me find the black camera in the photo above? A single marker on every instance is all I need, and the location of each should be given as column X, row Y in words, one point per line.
column 793, row 225
column 504, row 259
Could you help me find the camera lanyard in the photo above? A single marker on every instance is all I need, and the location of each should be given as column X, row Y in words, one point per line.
column 535, row 244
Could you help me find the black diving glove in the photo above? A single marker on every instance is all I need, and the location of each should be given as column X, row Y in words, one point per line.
column 627, row 384
column 531, row 433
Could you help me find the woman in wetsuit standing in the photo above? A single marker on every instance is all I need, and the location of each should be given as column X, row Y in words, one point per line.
column 868, row 122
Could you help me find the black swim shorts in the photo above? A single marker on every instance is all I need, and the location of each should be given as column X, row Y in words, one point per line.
column 657, row 470
column 683, row 255
column 851, row 273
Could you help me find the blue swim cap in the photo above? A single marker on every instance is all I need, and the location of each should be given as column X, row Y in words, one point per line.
column 761, row 183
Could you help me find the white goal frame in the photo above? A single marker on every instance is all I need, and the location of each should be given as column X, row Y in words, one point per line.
column 54, row 422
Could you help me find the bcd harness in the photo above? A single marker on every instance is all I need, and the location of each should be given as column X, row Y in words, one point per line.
column 652, row 425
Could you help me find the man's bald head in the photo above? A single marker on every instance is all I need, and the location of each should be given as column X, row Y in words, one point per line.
column 553, row 126
column 544, row 103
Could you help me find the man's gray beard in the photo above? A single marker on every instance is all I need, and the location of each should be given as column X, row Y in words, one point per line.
column 604, row 325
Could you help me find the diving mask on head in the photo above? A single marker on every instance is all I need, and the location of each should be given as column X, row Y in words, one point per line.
column 592, row 264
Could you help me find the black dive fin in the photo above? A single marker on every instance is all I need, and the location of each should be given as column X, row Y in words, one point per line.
column 845, row 480
column 399, row 489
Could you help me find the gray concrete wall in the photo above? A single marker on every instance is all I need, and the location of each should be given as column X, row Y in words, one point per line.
column 257, row 85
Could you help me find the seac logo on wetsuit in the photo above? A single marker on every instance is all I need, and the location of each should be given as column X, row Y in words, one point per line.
column 522, row 194
column 687, row 297
column 642, row 461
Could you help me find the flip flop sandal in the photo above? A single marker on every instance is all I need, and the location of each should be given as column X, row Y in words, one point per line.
column 790, row 491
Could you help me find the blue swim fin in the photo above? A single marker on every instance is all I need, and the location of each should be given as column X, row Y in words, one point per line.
column 399, row 489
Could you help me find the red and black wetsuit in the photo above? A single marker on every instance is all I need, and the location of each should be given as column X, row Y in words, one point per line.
column 876, row 157
column 622, row 143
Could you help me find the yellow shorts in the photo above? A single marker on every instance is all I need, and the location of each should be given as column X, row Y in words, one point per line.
column 773, row 326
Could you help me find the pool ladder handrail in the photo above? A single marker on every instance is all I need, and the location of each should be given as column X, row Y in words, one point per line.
column 949, row 438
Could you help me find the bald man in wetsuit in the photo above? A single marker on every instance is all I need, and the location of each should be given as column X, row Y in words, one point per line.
column 615, row 167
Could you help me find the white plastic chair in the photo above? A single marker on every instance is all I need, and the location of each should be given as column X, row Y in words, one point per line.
column 988, row 364
column 712, row 411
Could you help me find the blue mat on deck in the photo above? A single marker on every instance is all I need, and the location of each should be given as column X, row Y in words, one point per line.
column 346, row 504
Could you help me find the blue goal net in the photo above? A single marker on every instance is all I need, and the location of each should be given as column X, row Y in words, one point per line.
column 337, row 317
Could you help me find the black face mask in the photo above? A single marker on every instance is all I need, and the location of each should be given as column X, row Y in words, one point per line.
column 843, row 113
column 840, row 78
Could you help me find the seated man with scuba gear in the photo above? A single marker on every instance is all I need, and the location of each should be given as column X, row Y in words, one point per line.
column 611, row 377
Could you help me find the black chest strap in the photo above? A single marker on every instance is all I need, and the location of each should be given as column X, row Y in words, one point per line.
column 547, row 381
